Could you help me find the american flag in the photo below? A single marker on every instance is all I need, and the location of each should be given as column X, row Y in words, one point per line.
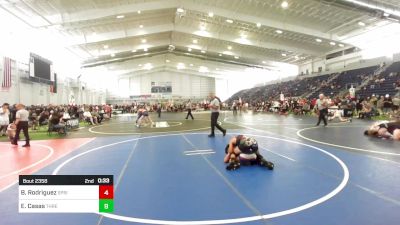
column 6, row 73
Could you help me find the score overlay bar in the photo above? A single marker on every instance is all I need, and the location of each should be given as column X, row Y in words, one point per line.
column 65, row 193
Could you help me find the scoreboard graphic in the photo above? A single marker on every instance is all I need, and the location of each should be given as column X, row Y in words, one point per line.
column 66, row 194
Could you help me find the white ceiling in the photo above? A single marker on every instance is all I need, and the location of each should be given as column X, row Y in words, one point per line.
column 90, row 25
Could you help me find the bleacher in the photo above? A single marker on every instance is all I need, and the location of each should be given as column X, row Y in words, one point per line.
column 345, row 80
column 388, row 86
column 306, row 86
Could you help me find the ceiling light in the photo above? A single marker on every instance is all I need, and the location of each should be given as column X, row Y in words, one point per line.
column 302, row 57
column 145, row 49
column 264, row 62
column 341, row 45
column 332, row 43
column 296, row 57
column 191, row 64
column 385, row 14
column 258, row 24
column 195, row 41
column 217, row 69
column 120, row 16
column 138, row 12
column 167, row 60
column 229, row 47
column 180, row 66
column 229, row 21
column 284, row 4
column 140, row 26
column 140, row 65
column 148, row 66
column 203, row 69
column 134, row 50
column 284, row 54
column 189, row 49
column 210, row 14
column 105, row 46
column 144, row 40
column 361, row 23
column 202, row 51
column 318, row 40
column 180, row 10
column 236, row 57
column 219, row 54
column 112, row 54
column 202, row 26
column 279, row 31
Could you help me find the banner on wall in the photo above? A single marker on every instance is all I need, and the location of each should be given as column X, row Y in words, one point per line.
column 161, row 87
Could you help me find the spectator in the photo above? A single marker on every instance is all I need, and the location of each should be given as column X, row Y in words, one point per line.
column 396, row 103
column 387, row 104
column 4, row 118
column 58, row 124
column 366, row 112
column 379, row 104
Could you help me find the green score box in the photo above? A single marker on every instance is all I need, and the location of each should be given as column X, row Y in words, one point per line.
column 106, row 205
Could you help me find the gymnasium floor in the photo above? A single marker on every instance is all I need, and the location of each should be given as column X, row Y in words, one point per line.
column 323, row 175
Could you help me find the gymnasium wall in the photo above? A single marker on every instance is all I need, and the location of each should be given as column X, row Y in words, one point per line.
column 24, row 91
column 346, row 62
column 183, row 84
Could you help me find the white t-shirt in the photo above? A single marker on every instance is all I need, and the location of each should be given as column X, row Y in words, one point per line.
column 282, row 97
column 87, row 114
column 22, row 115
column 4, row 119
column 352, row 92
column 214, row 102
column 321, row 104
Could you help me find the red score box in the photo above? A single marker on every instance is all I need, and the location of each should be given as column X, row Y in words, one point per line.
column 106, row 192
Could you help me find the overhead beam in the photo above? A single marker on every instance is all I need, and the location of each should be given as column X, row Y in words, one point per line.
column 149, row 31
column 253, row 19
column 98, row 13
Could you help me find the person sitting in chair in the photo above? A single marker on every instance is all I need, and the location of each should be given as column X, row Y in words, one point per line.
column 58, row 124
column 243, row 150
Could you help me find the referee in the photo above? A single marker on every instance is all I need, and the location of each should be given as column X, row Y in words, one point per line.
column 21, row 120
column 322, row 106
column 215, row 105
column 189, row 110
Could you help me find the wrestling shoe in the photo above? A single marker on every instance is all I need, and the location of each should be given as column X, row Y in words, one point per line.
column 233, row 166
column 266, row 164
column 211, row 135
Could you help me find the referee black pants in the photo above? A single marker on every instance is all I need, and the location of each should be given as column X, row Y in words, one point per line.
column 189, row 114
column 214, row 123
column 322, row 116
column 22, row 125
